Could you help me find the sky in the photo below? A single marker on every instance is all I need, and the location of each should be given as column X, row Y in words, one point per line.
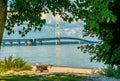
column 48, row 30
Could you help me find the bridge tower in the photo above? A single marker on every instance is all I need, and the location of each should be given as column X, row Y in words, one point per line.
column 58, row 33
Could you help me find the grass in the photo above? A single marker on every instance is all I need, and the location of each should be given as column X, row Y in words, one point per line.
column 50, row 77
column 111, row 72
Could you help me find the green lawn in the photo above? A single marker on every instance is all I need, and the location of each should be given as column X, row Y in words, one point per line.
column 51, row 77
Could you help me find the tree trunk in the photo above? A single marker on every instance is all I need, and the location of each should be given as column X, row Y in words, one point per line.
column 3, row 15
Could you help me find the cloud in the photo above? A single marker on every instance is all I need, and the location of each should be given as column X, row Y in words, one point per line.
column 50, row 19
column 66, row 29
column 71, row 32
column 49, row 29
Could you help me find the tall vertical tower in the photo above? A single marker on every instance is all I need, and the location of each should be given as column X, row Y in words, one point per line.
column 58, row 33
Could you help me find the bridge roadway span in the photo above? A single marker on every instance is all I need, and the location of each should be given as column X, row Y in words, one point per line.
column 44, row 41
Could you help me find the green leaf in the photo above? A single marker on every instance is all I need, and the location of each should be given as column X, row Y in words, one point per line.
column 114, row 19
column 70, row 20
column 108, row 19
column 20, row 32
column 111, row 0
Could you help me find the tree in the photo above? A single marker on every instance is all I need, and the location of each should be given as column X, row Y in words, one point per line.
column 102, row 19
column 3, row 15
column 29, row 12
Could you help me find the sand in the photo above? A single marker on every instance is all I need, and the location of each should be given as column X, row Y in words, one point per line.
column 56, row 69
column 69, row 70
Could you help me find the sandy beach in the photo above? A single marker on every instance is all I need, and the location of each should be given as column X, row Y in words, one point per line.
column 56, row 69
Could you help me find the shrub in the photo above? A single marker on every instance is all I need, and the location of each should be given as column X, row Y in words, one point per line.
column 112, row 71
column 26, row 67
column 109, row 71
column 14, row 64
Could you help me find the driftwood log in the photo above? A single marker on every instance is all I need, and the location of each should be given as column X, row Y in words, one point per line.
column 43, row 67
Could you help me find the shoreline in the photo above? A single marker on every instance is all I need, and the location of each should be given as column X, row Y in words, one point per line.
column 55, row 70
column 91, row 74
column 76, row 67
column 33, row 64
column 65, row 69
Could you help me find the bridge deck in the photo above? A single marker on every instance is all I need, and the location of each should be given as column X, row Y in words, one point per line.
column 45, row 41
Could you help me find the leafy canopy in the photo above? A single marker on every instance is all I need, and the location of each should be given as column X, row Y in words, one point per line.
column 102, row 19
column 30, row 12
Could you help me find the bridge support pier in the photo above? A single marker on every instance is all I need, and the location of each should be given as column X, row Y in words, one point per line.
column 58, row 41
column 41, row 42
column 10, row 43
column 18, row 42
column 79, row 42
column 26, row 43
column 34, row 42
column 3, row 43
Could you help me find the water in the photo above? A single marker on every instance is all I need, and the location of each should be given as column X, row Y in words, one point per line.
column 59, row 55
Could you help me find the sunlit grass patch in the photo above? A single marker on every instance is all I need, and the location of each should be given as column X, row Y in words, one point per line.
column 50, row 77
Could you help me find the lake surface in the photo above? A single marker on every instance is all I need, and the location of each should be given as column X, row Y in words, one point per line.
column 58, row 55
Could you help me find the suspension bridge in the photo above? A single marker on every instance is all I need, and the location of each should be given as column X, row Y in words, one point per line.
column 45, row 41
column 57, row 40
